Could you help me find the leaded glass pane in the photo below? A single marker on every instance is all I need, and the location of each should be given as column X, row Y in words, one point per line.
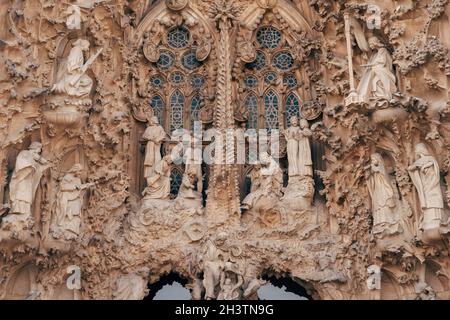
column 290, row 81
column 177, row 77
column 268, row 37
column 177, row 108
column 166, row 60
column 178, row 37
column 175, row 182
column 195, row 108
column 292, row 108
column 197, row 81
column 189, row 60
column 271, row 110
column 251, row 103
column 259, row 63
column 283, row 61
column 250, row 81
column 157, row 105
column 156, row 81
column 270, row 77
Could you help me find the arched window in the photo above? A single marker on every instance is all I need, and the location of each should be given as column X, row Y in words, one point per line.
column 157, row 104
column 195, row 108
column 177, row 109
column 176, row 177
column 271, row 110
column 292, row 108
column 251, row 103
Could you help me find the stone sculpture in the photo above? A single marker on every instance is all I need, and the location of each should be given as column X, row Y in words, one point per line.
column 67, row 219
column 158, row 183
column 425, row 175
column 298, row 148
column 385, row 214
column 28, row 171
column 154, row 135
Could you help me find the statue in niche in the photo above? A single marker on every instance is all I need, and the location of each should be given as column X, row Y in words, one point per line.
column 194, row 159
column 30, row 166
column 270, row 182
column 213, row 266
column 73, row 21
column 72, row 79
column 67, row 220
column 425, row 175
column 187, row 197
column 378, row 80
column 298, row 148
column 132, row 286
column 159, row 181
column 255, row 178
column 385, row 214
column 154, row 135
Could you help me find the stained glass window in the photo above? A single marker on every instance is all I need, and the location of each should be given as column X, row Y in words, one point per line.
column 197, row 81
column 251, row 103
column 166, row 60
column 292, row 108
column 283, row 60
column 271, row 110
column 177, row 77
column 290, row 81
column 270, row 77
column 157, row 104
column 156, row 81
column 176, row 178
column 189, row 60
column 178, row 37
column 177, row 108
column 250, row 81
column 259, row 63
column 268, row 37
column 195, row 108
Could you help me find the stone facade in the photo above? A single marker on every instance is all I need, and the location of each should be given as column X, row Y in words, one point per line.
column 351, row 202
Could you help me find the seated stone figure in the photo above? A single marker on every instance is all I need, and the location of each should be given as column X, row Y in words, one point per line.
column 268, row 182
column 188, row 197
column 159, row 182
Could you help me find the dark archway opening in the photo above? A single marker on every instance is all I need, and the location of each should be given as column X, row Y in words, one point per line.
column 282, row 288
column 172, row 282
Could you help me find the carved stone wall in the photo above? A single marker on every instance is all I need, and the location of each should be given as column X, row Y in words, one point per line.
column 352, row 204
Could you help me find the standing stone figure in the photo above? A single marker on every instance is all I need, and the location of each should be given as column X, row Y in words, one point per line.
column 378, row 80
column 72, row 78
column 159, row 181
column 73, row 21
column 154, row 135
column 25, row 179
column 385, row 218
column 425, row 175
column 67, row 219
column 298, row 148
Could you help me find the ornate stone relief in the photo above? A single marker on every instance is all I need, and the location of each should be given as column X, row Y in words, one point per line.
column 110, row 113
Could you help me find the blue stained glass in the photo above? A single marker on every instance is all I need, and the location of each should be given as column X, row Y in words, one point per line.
column 270, row 77
column 259, row 63
column 189, row 60
column 250, row 81
column 195, row 108
column 283, row 60
column 176, row 178
column 290, row 81
column 157, row 81
column 178, row 38
column 177, row 108
column 271, row 110
column 197, row 81
column 166, row 60
column 292, row 108
column 268, row 37
column 157, row 104
column 177, row 77
column 251, row 102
